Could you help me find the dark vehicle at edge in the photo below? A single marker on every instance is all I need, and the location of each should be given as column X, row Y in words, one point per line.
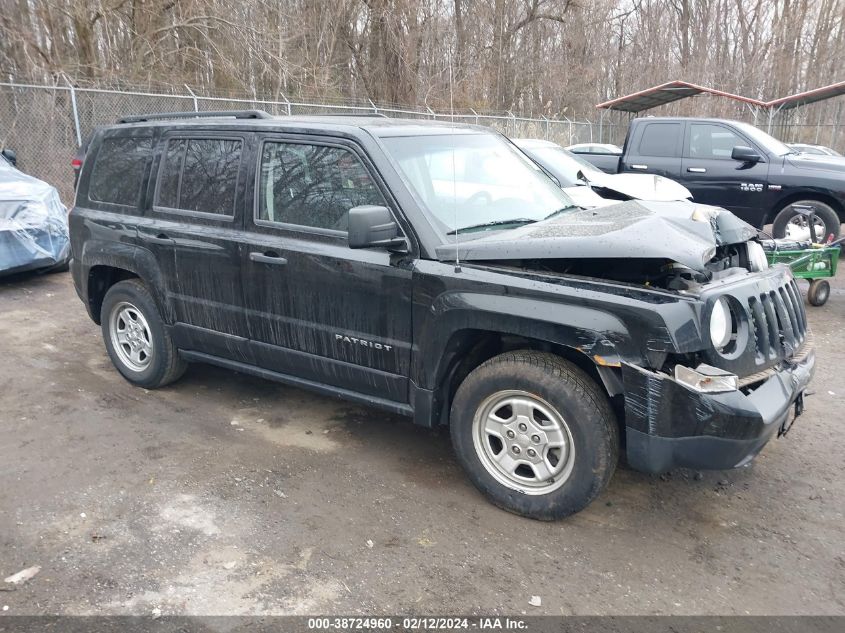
column 739, row 167
column 432, row 270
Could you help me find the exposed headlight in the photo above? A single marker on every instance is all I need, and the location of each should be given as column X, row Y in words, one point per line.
column 721, row 324
column 706, row 379
column 757, row 259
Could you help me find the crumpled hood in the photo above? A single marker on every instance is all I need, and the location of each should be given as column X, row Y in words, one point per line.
column 633, row 229
column 641, row 186
column 816, row 162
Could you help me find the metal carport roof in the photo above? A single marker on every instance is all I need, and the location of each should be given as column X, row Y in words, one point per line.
column 805, row 98
column 667, row 93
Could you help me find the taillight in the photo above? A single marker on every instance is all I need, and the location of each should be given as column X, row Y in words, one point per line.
column 76, row 163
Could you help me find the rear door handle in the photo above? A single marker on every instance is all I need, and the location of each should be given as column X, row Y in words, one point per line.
column 640, row 167
column 268, row 257
column 697, row 170
column 161, row 238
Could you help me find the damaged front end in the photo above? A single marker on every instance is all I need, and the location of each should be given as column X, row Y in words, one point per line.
column 717, row 407
column 742, row 357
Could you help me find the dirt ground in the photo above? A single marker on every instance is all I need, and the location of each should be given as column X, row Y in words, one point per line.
column 226, row 494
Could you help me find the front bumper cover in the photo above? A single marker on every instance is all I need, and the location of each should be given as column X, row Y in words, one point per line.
column 669, row 425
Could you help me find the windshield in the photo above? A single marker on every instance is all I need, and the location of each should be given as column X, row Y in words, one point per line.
column 472, row 182
column 769, row 143
column 563, row 165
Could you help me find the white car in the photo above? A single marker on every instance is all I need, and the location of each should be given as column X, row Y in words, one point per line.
column 595, row 148
column 590, row 187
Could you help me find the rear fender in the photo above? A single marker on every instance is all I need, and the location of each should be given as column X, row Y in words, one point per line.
column 131, row 258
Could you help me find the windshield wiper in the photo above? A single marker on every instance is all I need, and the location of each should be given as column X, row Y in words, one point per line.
column 554, row 214
column 484, row 225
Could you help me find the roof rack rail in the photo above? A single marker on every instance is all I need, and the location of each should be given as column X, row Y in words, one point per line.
column 351, row 114
column 158, row 116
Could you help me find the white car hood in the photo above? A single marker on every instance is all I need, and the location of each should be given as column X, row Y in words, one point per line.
column 642, row 186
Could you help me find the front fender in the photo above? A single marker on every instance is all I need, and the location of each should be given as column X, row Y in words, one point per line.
column 609, row 331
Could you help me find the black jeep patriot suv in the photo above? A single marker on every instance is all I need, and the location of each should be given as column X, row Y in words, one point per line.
column 430, row 269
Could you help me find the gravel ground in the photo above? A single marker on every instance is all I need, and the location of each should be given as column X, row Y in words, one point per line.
column 227, row 494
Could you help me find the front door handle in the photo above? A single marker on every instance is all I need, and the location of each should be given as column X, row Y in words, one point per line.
column 697, row 170
column 161, row 238
column 268, row 257
column 640, row 167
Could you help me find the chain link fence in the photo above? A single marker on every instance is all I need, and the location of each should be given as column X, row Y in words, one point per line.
column 46, row 124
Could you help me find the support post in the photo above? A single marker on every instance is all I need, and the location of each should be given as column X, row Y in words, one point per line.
column 75, row 110
column 193, row 96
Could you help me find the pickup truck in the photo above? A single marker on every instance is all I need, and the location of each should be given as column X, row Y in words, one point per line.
column 739, row 167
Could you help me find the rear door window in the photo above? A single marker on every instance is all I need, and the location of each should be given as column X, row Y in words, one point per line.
column 118, row 171
column 660, row 139
column 200, row 175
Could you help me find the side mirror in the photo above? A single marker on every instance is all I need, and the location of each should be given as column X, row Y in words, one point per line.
column 745, row 154
column 371, row 226
column 10, row 156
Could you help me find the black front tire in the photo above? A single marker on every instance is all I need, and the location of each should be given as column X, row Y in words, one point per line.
column 569, row 392
column 165, row 365
column 824, row 212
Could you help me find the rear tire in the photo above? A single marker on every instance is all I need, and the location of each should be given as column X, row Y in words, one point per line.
column 137, row 342
column 819, row 292
column 824, row 212
column 535, row 434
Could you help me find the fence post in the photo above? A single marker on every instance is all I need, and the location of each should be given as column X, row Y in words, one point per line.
column 431, row 112
column 287, row 103
column 375, row 109
column 546, row 125
column 476, row 115
column 834, row 132
column 75, row 110
column 513, row 123
column 193, row 96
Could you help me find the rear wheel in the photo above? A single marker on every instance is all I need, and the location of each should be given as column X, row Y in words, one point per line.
column 819, row 292
column 535, row 434
column 136, row 340
column 790, row 224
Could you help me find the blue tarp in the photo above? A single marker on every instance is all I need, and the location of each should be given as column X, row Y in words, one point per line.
column 33, row 223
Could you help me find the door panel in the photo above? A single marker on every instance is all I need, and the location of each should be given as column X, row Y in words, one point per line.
column 655, row 149
column 198, row 214
column 316, row 308
column 715, row 178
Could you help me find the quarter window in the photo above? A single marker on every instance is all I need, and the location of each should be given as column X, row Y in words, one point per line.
column 712, row 141
column 200, row 175
column 118, row 171
column 312, row 185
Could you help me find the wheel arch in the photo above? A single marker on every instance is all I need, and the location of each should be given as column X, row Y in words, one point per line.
column 105, row 267
column 806, row 194
column 469, row 348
